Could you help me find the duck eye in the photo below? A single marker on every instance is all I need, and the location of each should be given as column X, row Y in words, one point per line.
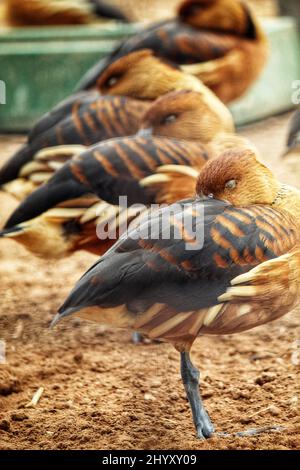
column 169, row 119
column 112, row 81
column 231, row 184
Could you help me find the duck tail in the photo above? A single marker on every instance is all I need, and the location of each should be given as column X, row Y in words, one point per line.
column 11, row 169
column 11, row 232
column 61, row 187
column 104, row 10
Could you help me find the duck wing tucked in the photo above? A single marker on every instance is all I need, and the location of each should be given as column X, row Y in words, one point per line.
column 170, row 287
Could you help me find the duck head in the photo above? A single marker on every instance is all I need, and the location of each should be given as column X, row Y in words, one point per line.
column 187, row 115
column 238, row 177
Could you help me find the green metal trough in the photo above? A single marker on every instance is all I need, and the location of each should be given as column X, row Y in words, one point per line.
column 41, row 66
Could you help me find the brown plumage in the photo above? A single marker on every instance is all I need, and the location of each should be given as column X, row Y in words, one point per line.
column 74, row 225
column 219, row 41
column 150, row 168
column 110, row 169
column 195, row 116
column 88, row 118
column 86, row 123
column 226, row 265
column 231, row 75
column 56, row 12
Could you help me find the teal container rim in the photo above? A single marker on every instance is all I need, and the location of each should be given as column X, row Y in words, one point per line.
column 68, row 33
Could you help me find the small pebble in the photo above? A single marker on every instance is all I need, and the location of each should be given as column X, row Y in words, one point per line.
column 156, row 383
column 274, row 410
column 149, row 397
column 56, row 387
column 236, row 395
column 246, row 420
column 268, row 387
column 174, row 396
column 265, row 378
column 19, row 416
column 78, row 358
column 4, row 425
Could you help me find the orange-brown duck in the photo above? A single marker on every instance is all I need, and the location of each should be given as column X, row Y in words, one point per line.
column 220, row 264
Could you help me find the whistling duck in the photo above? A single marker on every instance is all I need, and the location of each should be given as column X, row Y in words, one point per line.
column 292, row 153
column 220, row 264
column 56, row 12
column 110, row 169
column 86, row 119
column 289, row 171
column 152, row 166
column 219, row 41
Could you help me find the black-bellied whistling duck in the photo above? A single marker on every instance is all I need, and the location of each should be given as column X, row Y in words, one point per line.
column 219, row 41
column 148, row 168
column 54, row 12
column 223, row 263
column 89, row 118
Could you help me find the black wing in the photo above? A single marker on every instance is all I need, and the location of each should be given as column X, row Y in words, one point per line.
column 104, row 10
column 170, row 271
column 37, row 139
column 78, row 121
column 110, row 169
column 60, row 111
column 172, row 40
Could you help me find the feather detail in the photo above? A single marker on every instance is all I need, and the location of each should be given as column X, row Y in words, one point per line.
column 61, row 152
column 170, row 183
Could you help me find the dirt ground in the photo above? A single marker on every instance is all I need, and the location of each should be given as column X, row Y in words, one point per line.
column 102, row 392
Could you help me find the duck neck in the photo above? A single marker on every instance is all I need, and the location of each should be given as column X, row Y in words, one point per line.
column 224, row 141
column 288, row 198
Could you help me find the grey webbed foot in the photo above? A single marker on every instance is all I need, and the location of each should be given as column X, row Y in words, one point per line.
column 205, row 428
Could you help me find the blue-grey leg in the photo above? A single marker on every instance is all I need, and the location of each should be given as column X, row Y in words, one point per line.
column 190, row 376
column 136, row 337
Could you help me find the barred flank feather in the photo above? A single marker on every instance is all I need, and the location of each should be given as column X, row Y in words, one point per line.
column 227, row 285
column 86, row 122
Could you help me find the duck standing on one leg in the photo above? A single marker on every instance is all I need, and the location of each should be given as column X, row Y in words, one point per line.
column 233, row 263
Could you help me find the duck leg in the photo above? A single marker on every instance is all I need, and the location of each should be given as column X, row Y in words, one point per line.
column 190, row 376
column 136, row 337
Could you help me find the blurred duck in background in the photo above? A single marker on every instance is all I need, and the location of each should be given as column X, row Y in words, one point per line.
column 57, row 12
column 88, row 118
column 234, row 266
column 158, row 165
column 293, row 140
column 219, row 41
column 291, row 156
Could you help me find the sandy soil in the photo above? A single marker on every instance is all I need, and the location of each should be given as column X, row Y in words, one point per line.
column 102, row 392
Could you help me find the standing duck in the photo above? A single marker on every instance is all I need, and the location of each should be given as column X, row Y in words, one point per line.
column 151, row 167
column 220, row 264
column 219, row 41
column 88, row 118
